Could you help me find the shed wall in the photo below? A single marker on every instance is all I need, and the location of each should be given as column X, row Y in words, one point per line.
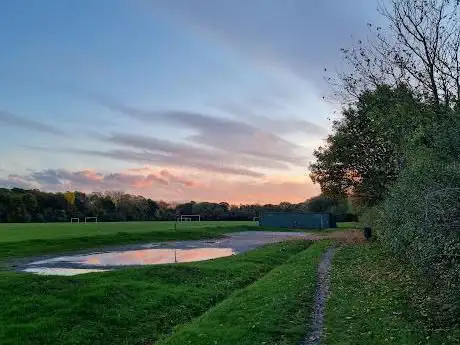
column 297, row 220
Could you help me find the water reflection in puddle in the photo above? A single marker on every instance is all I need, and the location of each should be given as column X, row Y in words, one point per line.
column 126, row 258
column 61, row 271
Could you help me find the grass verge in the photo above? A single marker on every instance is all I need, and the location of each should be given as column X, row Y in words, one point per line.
column 274, row 310
column 370, row 302
column 128, row 306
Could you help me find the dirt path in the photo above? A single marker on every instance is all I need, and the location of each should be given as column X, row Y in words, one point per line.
column 322, row 292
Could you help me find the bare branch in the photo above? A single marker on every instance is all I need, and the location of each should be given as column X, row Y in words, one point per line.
column 419, row 48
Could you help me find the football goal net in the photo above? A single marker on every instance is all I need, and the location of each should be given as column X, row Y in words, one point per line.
column 189, row 218
column 75, row 220
column 90, row 219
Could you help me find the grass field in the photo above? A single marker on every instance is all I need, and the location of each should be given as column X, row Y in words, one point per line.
column 264, row 296
column 52, row 231
column 130, row 306
column 20, row 240
column 30, row 239
column 274, row 310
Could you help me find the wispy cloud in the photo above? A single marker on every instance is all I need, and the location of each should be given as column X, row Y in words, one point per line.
column 146, row 157
column 165, row 184
column 90, row 180
column 249, row 140
column 285, row 125
column 189, row 152
column 177, row 179
column 9, row 119
column 284, row 35
column 227, row 134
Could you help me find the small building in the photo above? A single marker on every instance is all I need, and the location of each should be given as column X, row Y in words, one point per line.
column 297, row 220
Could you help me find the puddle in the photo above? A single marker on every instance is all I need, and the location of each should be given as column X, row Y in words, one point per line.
column 125, row 258
column 53, row 271
column 156, row 253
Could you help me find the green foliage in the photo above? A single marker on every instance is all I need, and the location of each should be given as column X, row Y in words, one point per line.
column 128, row 306
column 399, row 159
column 376, row 300
column 19, row 205
column 339, row 207
column 273, row 310
column 365, row 153
column 420, row 221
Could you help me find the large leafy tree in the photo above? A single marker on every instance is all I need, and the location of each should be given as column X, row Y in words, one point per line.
column 365, row 152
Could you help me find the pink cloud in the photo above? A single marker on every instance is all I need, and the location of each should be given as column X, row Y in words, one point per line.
column 91, row 175
column 148, row 181
column 171, row 185
column 179, row 179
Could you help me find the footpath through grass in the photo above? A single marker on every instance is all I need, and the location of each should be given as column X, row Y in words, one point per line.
column 137, row 306
column 371, row 302
column 274, row 310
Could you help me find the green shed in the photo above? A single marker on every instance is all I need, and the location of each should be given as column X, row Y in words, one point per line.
column 297, row 220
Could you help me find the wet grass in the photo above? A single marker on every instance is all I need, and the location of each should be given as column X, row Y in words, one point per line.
column 23, row 240
column 32, row 239
column 138, row 306
column 61, row 245
column 370, row 302
column 274, row 310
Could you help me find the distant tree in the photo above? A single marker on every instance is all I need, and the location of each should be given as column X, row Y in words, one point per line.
column 152, row 207
column 70, row 198
column 114, row 195
column 19, row 205
column 186, row 208
column 321, row 203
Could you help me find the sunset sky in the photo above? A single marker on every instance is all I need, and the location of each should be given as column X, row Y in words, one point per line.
column 217, row 100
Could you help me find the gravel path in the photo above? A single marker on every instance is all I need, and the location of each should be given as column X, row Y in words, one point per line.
column 322, row 292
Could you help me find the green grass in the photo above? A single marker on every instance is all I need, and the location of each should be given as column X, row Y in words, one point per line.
column 370, row 302
column 274, row 310
column 349, row 225
column 137, row 306
column 32, row 239
column 50, row 231
column 48, row 246
column 29, row 239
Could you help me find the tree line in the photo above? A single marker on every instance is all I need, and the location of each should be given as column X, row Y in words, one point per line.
column 21, row 205
column 395, row 152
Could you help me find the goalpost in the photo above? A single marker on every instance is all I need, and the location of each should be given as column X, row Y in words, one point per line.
column 90, row 218
column 75, row 220
column 189, row 217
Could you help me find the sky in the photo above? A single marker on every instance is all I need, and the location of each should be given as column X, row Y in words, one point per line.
column 205, row 100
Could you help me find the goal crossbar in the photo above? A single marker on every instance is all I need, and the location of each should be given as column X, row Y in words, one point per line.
column 90, row 218
column 189, row 217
